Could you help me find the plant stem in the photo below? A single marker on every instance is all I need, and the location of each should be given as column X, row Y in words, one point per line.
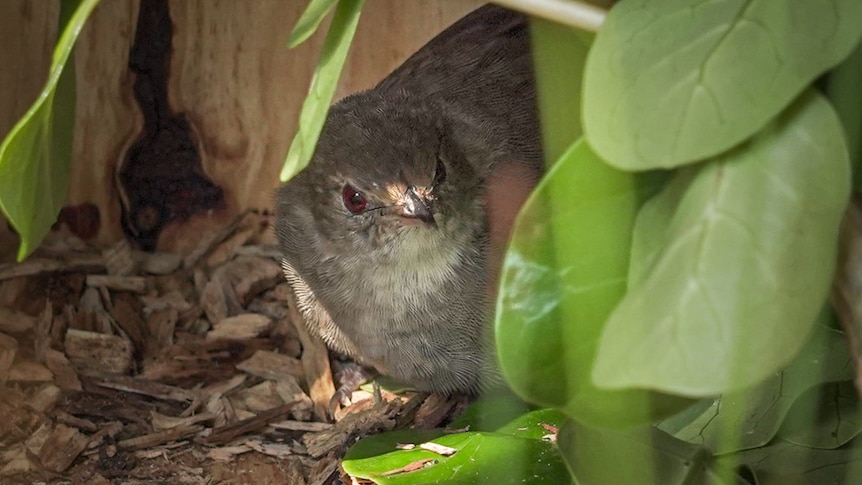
column 568, row 12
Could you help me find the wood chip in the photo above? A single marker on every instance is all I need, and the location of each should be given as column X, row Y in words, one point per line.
column 68, row 419
column 135, row 284
column 160, row 437
column 162, row 422
column 336, row 439
column 271, row 365
column 227, row 453
column 278, row 450
column 323, row 471
column 311, row 426
column 158, row 263
column 438, row 448
column 223, row 410
column 147, row 388
column 18, row 421
column 161, row 326
column 258, row 276
column 17, row 461
column 29, row 371
column 315, row 361
column 268, row 251
column 39, row 437
column 410, row 467
column 62, row 447
column 274, row 309
column 240, row 327
column 257, row 398
column 170, row 300
column 91, row 315
column 434, row 411
column 223, row 387
column 43, row 334
column 218, row 299
column 129, row 319
column 8, row 351
column 227, row 249
column 45, row 398
column 228, row 433
column 118, row 259
column 289, row 389
column 233, row 285
column 64, row 375
column 97, row 354
column 37, row 266
column 14, row 321
column 213, row 238
column 111, row 430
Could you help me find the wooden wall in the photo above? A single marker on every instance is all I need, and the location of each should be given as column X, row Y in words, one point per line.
column 231, row 74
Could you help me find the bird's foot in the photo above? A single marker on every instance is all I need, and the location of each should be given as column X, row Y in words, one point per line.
column 350, row 376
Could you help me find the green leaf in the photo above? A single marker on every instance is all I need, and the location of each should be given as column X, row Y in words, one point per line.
column 676, row 81
column 564, row 273
column 844, row 93
column 788, row 464
column 533, row 424
column 323, row 85
column 36, row 154
column 744, row 263
column 639, row 456
column 309, row 21
column 752, row 417
column 826, row 416
column 566, row 265
column 515, row 454
column 559, row 55
column 495, row 408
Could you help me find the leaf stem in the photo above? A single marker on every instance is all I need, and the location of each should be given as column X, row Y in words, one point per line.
column 577, row 14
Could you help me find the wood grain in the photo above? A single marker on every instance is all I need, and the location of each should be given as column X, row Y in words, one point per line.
column 242, row 88
column 231, row 74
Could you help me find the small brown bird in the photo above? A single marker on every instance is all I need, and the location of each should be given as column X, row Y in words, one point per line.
column 392, row 237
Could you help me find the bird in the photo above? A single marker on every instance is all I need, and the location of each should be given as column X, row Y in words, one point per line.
column 392, row 237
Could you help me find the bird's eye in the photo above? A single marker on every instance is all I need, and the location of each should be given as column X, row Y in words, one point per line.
column 439, row 172
column 353, row 200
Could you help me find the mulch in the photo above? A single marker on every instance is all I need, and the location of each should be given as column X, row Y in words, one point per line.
column 120, row 366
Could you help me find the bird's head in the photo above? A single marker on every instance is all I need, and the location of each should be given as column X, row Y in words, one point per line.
column 390, row 177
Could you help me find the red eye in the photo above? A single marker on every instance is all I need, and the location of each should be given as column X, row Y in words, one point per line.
column 353, row 200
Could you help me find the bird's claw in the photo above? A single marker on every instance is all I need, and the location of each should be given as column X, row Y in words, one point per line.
column 349, row 377
column 341, row 398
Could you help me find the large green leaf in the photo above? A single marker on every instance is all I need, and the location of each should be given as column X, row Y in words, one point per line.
column 826, row 416
column 516, row 453
column 752, row 417
column 727, row 294
column 323, row 85
column 567, row 261
column 35, row 156
column 676, row 81
column 639, row 456
column 564, row 273
column 788, row 464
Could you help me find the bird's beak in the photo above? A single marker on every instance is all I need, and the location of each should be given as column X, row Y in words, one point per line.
column 415, row 210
